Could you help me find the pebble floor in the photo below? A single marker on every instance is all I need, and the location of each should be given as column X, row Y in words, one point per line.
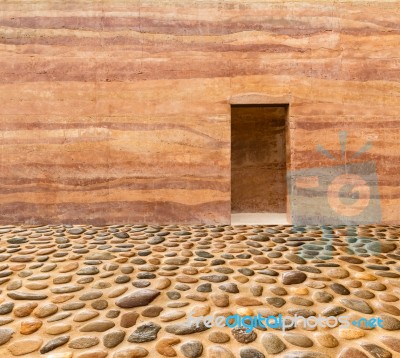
column 126, row 291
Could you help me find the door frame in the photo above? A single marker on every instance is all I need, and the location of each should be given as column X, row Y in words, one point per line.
column 260, row 99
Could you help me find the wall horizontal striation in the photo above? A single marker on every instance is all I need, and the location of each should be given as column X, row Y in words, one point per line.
column 118, row 112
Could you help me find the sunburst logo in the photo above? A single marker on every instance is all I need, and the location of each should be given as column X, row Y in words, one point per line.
column 348, row 194
column 343, row 148
column 338, row 194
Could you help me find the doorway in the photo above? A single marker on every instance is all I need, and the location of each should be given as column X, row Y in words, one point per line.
column 258, row 164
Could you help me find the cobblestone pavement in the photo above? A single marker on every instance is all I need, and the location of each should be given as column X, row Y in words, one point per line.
column 127, row 291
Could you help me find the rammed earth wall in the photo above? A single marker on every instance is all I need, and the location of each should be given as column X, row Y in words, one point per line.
column 119, row 111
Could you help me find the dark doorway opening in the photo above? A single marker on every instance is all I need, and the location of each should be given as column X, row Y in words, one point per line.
column 258, row 158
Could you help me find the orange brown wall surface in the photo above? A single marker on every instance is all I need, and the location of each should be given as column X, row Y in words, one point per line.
column 119, row 111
